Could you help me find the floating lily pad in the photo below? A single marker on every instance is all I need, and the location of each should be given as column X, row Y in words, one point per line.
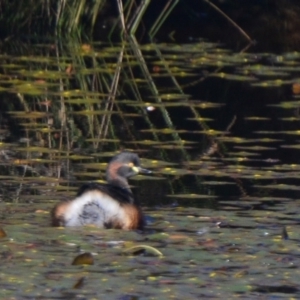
column 234, row 77
column 83, row 259
column 192, row 196
column 2, row 233
column 254, row 118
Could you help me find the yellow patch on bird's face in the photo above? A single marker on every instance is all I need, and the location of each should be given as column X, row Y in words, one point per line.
column 135, row 169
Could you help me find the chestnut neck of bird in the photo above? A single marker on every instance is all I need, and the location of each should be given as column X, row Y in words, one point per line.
column 119, row 181
column 115, row 175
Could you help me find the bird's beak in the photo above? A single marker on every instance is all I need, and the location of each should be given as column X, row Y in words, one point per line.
column 143, row 171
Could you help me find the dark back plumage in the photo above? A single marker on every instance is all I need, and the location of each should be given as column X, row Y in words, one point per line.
column 120, row 194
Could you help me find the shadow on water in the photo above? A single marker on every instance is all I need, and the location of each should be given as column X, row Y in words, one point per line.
column 218, row 128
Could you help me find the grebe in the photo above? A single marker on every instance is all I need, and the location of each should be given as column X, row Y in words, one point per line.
column 109, row 205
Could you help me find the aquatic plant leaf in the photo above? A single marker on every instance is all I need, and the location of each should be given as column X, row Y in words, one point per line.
column 135, row 250
column 217, row 182
column 29, row 115
column 145, row 142
column 200, row 119
column 290, row 119
column 2, row 233
column 271, row 83
column 98, row 166
column 83, row 101
column 39, row 149
column 192, row 196
column 234, row 77
column 80, row 283
column 92, row 112
column 257, row 118
column 164, row 130
column 44, row 74
column 102, row 140
column 79, row 157
column 279, row 187
column 174, row 96
column 173, row 171
column 83, row 259
column 255, row 148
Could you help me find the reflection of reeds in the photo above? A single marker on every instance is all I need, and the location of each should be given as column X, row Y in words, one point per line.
column 98, row 76
column 102, row 133
column 70, row 14
column 170, row 5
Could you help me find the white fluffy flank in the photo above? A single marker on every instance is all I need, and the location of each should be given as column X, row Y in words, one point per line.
column 93, row 207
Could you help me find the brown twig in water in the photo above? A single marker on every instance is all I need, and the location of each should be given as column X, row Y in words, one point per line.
column 230, row 124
